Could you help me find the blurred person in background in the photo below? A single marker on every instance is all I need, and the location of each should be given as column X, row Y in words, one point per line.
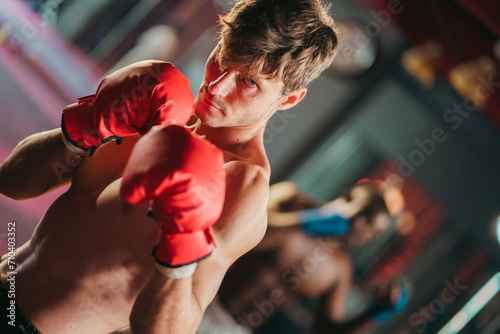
column 304, row 254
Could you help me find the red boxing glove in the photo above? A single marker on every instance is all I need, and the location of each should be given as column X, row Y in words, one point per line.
column 184, row 177
column 128, row 101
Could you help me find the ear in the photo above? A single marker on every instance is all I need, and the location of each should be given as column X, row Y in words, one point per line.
column 292, row 99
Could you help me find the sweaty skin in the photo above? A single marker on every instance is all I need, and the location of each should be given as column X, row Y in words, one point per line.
column 89, row 256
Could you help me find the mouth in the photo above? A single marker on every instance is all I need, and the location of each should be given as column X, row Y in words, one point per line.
column 208, row 102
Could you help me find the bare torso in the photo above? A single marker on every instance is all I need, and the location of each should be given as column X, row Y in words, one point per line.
column 299, row 266
column 90, row 255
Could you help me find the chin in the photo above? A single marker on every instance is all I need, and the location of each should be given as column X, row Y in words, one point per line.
column 207, row 120
column 210, row 118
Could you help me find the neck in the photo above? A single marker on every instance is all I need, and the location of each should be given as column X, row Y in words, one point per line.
column 231, row 138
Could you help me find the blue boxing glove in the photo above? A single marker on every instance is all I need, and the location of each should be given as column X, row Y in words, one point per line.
column 382, row 313
column 323, row 221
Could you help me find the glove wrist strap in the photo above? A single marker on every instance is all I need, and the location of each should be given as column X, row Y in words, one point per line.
column 177, row 273
column 72, row 148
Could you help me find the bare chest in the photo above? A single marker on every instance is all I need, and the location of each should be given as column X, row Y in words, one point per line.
column 89, row 260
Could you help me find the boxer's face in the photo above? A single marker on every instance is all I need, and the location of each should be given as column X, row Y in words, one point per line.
column 232, row 97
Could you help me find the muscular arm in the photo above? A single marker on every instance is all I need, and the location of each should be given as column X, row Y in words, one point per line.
column 331, row 314
column 360, row 199
column 38, row 164
column 337, row 299
column 288, row 193
column 176, row 306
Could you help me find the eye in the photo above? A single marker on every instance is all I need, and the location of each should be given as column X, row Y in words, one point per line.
column 251, row 83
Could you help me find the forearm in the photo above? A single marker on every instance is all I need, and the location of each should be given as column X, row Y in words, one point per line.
column 166, row 305
column 38, row 164
column 321, row 221
column 283, row 219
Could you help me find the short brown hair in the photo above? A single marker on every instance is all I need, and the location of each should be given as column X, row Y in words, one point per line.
column 292, row 40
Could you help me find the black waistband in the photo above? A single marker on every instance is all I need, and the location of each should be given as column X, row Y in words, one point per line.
column 12, row 319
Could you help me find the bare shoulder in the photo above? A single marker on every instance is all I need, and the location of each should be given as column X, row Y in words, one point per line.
column 243, row 221
column 250, row 181
column 240, row 169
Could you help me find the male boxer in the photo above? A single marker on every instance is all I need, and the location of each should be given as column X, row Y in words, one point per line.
column 88, row 266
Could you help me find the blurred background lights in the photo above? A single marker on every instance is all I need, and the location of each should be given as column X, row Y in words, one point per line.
column 480, row 299
column 498, row 229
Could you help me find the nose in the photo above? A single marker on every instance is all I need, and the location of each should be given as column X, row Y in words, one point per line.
column 222, row 85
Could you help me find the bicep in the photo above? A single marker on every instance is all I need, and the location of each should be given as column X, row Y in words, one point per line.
column 38, row 164
column 360, row 198
column 240, row 227
column 283, row 219
column 243, row 221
